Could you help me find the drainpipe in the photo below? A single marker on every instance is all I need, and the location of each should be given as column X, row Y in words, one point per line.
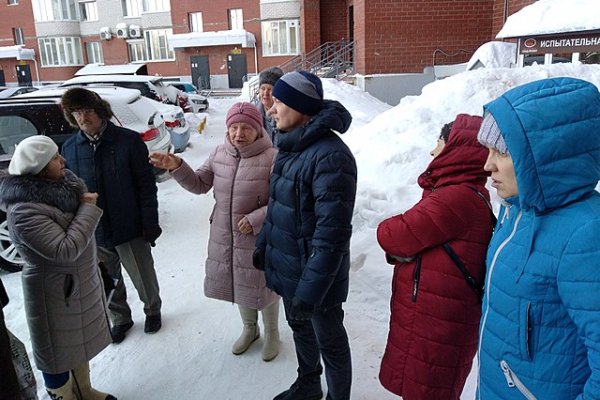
column 505, row 16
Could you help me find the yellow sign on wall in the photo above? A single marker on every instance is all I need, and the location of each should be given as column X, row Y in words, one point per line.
column 236, row 51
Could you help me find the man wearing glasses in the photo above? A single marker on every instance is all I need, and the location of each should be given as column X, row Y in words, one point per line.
column 113, row 162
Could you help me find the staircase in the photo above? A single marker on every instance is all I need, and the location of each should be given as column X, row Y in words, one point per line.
column 330, row 60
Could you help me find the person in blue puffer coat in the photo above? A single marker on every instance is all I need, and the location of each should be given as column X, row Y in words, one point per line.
column 304, row 244
column 540, row 326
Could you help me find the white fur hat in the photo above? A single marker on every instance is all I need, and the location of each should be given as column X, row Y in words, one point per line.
column 32, row 155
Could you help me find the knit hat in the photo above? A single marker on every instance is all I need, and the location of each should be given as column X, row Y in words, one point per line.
column 79, row 98
column 31, row 155
column 301, row 91
column 270, row 76
column 489, row 134
column 245, row 112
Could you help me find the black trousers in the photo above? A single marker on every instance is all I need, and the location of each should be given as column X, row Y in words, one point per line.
column 9, row 386
column 323, row 336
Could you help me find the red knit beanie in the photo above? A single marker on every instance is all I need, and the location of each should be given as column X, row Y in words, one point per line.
column 245, row 112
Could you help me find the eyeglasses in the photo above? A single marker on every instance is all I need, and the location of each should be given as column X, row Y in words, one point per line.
column 81, row 113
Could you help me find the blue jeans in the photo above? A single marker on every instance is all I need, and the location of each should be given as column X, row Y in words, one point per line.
column 323, row 336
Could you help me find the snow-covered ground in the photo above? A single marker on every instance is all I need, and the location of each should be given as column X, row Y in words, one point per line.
column 190, row 357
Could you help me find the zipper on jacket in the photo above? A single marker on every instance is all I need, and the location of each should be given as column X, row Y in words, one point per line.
column 237, row 165
column 513, row 381
column 528, row 331
column 297, row 200
column 68, row 286
column 416, row 279
column 258, row 201
column 487, row 295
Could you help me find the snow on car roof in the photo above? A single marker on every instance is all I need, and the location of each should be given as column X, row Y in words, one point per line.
column 114, row 93
column 111, row 78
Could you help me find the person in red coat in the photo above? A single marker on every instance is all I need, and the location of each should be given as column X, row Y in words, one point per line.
column 435, row 307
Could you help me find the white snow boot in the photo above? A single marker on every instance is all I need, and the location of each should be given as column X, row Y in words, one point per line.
column 250, row 332
column 270, row 317
column 82, row 387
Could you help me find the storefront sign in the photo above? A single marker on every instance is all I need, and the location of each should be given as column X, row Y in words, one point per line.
column 563, row 43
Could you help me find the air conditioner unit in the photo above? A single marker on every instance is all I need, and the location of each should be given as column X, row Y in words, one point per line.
column 135, row 31
column 105, row 33
column 122, row 31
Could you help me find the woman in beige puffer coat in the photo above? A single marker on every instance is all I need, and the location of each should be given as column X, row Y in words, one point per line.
column 238, row 171
column 52, row 218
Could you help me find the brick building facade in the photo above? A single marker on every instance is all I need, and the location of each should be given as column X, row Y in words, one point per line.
column 391, row 36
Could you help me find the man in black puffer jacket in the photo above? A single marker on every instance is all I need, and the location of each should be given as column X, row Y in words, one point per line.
column 304, row 243
column 113, row 162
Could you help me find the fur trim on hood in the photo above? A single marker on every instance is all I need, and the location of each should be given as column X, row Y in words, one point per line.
column 64, row 194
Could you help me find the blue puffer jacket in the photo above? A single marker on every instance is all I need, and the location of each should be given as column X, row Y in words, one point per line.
column 120, row 173
column 540, row 327
column 306, row 234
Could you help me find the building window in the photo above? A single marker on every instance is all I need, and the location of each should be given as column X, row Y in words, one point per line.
column 236, row 18
column 131, row 8
column 60, row 51
column 196, row 22
column 18, row 35
column 13, row 2
column 156, row 5
column 54, row 10
column 281, row 37
column 94, row 52
column 157, row 45
column 137, row 50
column 88, row 11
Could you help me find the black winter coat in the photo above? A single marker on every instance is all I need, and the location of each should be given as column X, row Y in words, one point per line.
column 119, row 171
column 305, row 238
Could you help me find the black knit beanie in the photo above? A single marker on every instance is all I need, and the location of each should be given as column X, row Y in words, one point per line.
column 301, row 91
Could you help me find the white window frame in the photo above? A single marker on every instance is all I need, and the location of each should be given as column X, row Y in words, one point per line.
column 19, row 36
column 54, row 10
column 196, row 22
column 137, row 50
column 94, row 52
column 156, row 5
column 236, row 18
column 13, row 2
column 60, row 51
column 131, row 8
column 157, row 45
column 281, row 37
column 88, row 11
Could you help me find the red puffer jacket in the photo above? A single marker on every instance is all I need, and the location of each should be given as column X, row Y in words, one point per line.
column 434, row 313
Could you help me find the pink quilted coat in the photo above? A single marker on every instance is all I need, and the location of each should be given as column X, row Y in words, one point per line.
column 240, row 179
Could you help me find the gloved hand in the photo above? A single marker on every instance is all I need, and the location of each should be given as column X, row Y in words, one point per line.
column 301, row 311
column 150, row 234
column 258, row 259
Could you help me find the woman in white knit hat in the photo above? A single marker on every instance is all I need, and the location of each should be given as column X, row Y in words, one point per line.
column 52, row 218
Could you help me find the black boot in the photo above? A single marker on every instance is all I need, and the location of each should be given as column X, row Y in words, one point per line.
column 302, row 391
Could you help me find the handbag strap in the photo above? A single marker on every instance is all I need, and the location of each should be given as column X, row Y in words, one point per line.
column 476, row 287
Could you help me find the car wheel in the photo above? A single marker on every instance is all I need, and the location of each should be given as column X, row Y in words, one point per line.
column 10, row 259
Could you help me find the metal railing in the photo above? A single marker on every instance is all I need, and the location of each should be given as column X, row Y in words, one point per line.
column 330, row 60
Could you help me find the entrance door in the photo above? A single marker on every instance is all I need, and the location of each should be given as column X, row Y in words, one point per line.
column 200, row 72
column 236, row 68
column 2, row 79
column 24, row 75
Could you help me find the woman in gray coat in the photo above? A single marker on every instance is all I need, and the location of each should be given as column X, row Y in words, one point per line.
column 52, row 219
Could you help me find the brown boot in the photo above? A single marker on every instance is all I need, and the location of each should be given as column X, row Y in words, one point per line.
column 83, row 387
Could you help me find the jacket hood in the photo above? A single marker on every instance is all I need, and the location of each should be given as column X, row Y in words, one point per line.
column 64, row 194
column 462, row 158
column 333, row 116
column 552, row 130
